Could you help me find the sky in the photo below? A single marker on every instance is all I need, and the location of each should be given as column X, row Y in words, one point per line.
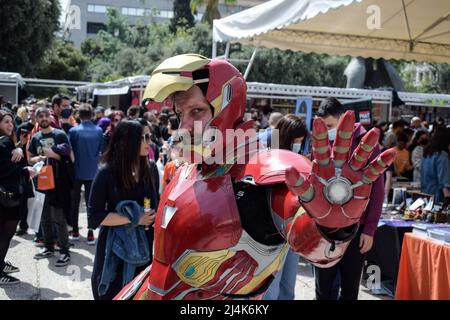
column 63, row 4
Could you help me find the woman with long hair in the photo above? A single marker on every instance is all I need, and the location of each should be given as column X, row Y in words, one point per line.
column 126, row 175
column 13, row 177
column 434, row 173
column 154, row 150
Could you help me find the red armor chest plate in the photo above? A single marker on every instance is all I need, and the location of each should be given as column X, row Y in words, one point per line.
column 203, row 213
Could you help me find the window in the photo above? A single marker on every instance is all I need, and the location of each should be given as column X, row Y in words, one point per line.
column 165, row 14
column 126, row 11
column 95, row 8
column 198, row 16
column 95, row 27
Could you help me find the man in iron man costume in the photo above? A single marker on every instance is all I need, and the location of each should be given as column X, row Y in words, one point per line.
column 222, row 230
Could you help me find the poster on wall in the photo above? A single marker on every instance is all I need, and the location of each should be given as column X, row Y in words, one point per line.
column 303, row 109
column 362, row 108
column 364, row 117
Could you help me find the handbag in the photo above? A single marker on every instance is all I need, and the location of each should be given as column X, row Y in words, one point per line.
column 35, row 207
column 9, row 199
column 46, row 178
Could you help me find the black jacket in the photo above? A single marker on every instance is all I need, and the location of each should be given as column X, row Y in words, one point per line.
column 13, row 176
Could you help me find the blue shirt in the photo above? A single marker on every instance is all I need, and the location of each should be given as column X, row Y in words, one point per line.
column 87, row 141
column 434, row 174
column 265, row 137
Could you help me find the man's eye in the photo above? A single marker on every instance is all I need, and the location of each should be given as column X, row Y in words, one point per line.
column 197, row 110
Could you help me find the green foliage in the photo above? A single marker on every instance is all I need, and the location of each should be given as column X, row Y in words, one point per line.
column 436, row 79
column 62, row 61
column 27, row 31
column 182, row 16
column 132, row 52
column 122, row 50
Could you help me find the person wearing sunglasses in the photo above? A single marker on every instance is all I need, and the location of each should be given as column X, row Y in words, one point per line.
column 126, row 178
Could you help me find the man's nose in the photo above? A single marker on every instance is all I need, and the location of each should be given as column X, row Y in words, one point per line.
column 187, row 124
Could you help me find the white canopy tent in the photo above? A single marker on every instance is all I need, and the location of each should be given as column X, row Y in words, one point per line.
column 10, row 84
column 116, row 87
column 391, row 29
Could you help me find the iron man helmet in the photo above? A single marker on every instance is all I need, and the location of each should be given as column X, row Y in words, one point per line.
column 221, row 83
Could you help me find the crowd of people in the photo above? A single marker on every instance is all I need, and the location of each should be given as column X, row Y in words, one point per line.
column 72, row 140
column 422, row 155
column 123, row 162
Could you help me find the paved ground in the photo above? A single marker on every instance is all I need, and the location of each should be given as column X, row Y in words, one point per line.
column 41, row 280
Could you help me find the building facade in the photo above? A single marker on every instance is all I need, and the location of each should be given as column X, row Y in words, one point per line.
column 84, row 18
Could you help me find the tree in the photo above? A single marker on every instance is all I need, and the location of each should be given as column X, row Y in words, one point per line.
column 62, row 61
column 117, row 25
column 113, row 57
column 182, row 16
column 28, row 29
column 211, row 9
column 435, row 76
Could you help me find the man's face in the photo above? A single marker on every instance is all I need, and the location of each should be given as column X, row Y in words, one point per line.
column 415, row 123
column 32, row 112
column 65, row 103
column 331, row 122
column 43, row 120
column 192, row 106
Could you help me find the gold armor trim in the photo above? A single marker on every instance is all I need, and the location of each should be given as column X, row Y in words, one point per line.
column 271, row 268
column 218, row 102
column 166, row 78
column 198, row 268
column 183, row 62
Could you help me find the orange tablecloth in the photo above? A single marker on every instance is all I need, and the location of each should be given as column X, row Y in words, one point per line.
column 424, row 271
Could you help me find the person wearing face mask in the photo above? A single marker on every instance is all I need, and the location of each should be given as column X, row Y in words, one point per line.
column 65, row 119
column 292, row 133
column 346, row 274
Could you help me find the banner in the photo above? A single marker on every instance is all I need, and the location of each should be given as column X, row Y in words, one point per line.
column 303, row 108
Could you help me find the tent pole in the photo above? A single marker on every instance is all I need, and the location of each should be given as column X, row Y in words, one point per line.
column 249, row 66
column 227, row 50
column 17, row 92
column 214, row 49
column 390, row 107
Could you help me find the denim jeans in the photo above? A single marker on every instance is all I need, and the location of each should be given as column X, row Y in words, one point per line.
column 283, row 286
